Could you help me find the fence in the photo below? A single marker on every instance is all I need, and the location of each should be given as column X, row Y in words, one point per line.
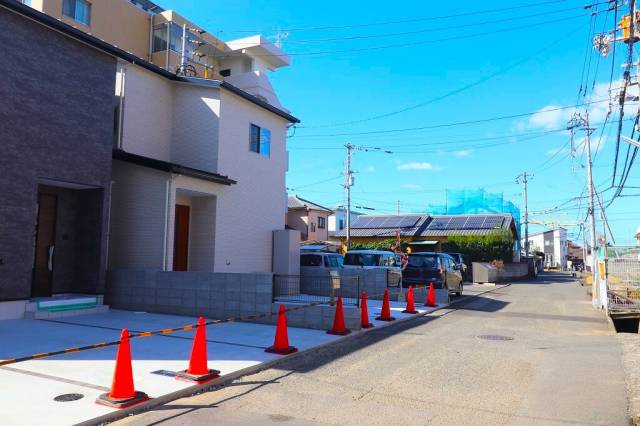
column 623, row 279
column 310, row 289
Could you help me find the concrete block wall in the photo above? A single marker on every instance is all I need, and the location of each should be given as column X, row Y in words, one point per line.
column 214, row 295
column 318, row 317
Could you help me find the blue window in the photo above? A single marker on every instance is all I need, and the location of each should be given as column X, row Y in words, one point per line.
column 260, row 140
column 79, row 10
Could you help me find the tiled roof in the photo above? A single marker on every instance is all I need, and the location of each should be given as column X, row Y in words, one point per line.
column 295, row 202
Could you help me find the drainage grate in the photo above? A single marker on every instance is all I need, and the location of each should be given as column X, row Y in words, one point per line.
column 67, row 397
column 494, row 337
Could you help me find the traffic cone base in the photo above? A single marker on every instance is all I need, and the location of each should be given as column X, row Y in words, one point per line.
column 339, row 332
column 385, row 319
column 107, row 401
column 410, row 312
column 286, row 351
column 367, row 325
column 195, row 378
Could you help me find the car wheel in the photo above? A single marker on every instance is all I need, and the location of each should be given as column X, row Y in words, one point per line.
column 459, row 292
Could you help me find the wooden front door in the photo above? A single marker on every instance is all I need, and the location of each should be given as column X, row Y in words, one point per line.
column 181, row 239
column 45, row 245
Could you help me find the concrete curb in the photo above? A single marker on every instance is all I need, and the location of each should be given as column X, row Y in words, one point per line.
column 224, row 380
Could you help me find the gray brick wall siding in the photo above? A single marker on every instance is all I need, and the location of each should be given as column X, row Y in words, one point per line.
column 57, row 115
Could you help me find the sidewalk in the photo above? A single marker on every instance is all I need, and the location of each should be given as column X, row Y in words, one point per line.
column 32, row 385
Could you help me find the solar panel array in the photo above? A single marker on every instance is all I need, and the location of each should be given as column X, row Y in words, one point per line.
column 446, row 223
column 385, row 222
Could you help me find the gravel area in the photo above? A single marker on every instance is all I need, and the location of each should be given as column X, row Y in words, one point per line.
column 631, row 360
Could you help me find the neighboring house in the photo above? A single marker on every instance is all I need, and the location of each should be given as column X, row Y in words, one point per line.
column 309, row 218
column 553, row 244
column 425, row 232
column 338, row 220
column 57, row 115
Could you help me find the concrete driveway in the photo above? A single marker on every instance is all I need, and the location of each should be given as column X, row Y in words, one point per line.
column 531, row 353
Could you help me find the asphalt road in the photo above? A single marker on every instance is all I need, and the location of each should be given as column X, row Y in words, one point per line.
column 562, row 366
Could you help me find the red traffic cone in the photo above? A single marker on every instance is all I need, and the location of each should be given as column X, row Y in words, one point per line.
column 431, row 297
column 122, row 393
column 385, row 314
column 198, row 371
column 364, row 312
column 411, row 306
column 339, row 327
column 281, row 341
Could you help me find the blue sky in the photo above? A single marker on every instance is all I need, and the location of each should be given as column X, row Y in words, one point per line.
column 368, row 76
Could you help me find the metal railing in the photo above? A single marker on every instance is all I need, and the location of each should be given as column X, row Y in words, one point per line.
column 623, row 278
column 321, row 288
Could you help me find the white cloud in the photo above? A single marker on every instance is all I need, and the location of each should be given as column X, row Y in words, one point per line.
column 371, row 169
column 463, row 153
column 410, row 186
column 415, row 165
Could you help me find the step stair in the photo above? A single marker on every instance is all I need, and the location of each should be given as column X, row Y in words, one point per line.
column 65, row 306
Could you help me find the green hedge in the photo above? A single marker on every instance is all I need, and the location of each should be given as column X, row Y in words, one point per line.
column 386, row 244
column 497, row 245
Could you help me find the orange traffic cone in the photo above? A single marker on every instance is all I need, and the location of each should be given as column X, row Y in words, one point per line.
column 198, row 371
column 431, row 297
column 411, row 306
column 364, row 312
column 385, row 315
column 122, row 393
column 339, row 327
column 281, row 341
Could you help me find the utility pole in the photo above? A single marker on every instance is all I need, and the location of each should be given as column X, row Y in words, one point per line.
column 524, row 177
column 348, row 182
column 580, row 121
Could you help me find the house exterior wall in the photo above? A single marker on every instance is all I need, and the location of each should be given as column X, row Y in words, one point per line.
column 138, row 217
column 320, row 234
column 250, row 210
column 147, row 131
column 297, row 219
column 57, row 128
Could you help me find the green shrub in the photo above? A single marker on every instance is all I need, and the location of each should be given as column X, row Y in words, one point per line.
column 498, row 245
column 386, row 244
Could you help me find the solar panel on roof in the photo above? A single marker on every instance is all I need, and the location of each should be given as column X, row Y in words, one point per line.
column 361, row 222
column 474, row 222
column 493, row 222
column 457, row 222
column 409, row 221
column 439, row 223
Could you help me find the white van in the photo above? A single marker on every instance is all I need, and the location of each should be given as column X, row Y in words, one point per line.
column 376, row 259
column 321, row 260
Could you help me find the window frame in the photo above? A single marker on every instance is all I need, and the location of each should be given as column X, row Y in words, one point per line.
column 262, row 143
column 70, row 10
column 322, row 222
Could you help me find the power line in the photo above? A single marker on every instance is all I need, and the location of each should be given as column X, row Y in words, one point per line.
column 452, row 124
column 456, row 91
column 405, row 21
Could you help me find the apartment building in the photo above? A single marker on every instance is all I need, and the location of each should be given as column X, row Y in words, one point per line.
column 338, row 220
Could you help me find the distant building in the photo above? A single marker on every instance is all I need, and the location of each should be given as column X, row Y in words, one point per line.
column 309, row 218
column 553, row 244
column 338, row 220
column 425, row 232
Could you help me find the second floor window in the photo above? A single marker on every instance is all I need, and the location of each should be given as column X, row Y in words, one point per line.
column 79, row 10
column 341, row 224
column 321, row 222
column 260, row 140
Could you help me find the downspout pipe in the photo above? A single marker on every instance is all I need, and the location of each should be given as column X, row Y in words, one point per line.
column 167, row 227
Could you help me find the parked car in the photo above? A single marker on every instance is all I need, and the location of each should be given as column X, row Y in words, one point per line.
column 319, row 259
column 437, row 268
column 370, row 259
column 459, row 258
